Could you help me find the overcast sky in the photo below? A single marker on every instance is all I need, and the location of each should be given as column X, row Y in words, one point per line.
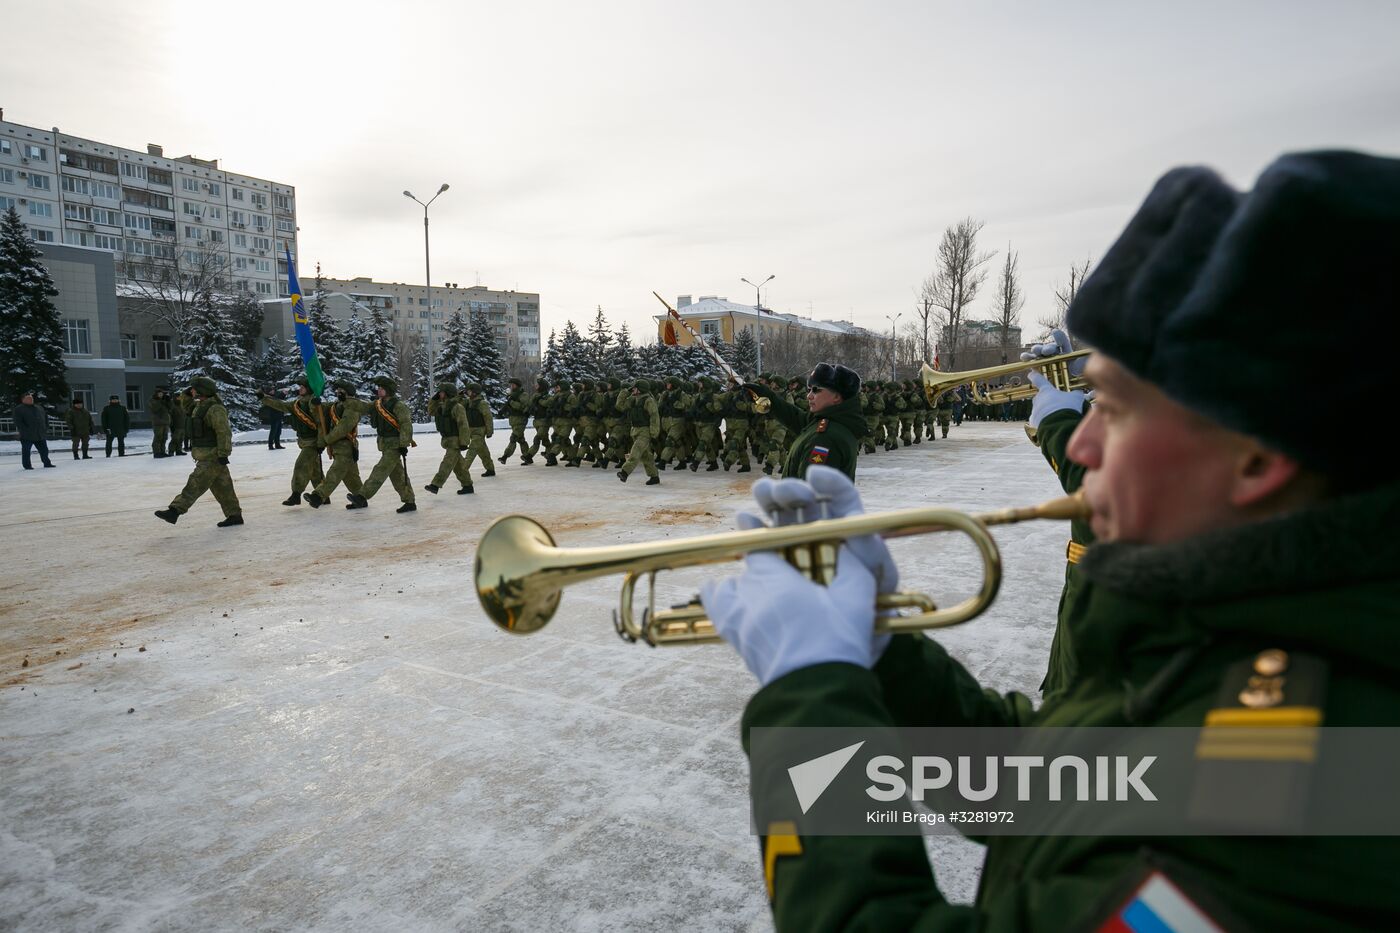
column 599, row 150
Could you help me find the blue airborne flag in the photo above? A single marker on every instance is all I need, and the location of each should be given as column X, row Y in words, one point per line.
column 303, row 330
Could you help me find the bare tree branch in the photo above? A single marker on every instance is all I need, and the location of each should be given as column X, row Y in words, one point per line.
column 171, row 290
column 958, row 276
column 1064, row 294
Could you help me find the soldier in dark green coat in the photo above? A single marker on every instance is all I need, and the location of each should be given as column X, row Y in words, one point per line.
column 308, row 418
column 829, row 432
column 450, row 416
column 1243, row 585
column 79, row 421
column 645, row 419
column 116, row 422
column 181, row 404
column 393, row 427
column 342, row 444
column 161, row 406
column 540, row 408
column 211, row 443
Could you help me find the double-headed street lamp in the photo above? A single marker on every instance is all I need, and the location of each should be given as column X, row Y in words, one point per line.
column 894, row 345
column 427, row 265
column 758, row 309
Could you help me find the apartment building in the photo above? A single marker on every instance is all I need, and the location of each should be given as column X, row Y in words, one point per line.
column 719, row 317
column 143, row 207
column 418, row 313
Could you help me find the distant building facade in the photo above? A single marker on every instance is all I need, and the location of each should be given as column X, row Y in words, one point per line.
column 143, row 207
column 720, row 317
column 980, row 344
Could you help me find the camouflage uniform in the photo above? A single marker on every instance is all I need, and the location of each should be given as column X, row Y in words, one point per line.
column 517, row 412
column 645, row 419
column 738, row 411
column 211, row 443
column 480, row 426
column 541, row 406
column 309, row 420
column 394, row 442
column 674, row 404
column 161, row 407
column 450, row 416
column 706, row 412
column 342, row 443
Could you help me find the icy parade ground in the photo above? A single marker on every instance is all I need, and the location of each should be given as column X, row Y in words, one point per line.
column 307, row 723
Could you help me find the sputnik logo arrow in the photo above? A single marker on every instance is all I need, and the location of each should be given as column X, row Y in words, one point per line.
column 811, row 778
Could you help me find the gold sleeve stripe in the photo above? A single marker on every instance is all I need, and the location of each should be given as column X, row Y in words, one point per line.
column 1074, row 551
column 1277, row 716
column 781, row 840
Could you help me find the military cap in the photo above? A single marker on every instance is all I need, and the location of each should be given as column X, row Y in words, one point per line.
column 203, row 385
column 343, row 384
column 836, row 377
column 385, row 383
column 447, row 388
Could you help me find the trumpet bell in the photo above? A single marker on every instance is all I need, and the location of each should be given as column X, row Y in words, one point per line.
column 515, row 598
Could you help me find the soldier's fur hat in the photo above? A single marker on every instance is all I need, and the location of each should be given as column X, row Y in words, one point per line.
column 473, row 387
column 387, row 384
column 837, row 378
column 448, row 389
column 343, row 384
column 203, row 385
column 77, row 400
column 1212, row 295
column 515, row 381
column 641, row 385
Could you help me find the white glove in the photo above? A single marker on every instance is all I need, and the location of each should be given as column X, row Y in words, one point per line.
column 803, row 622
column 1049, row 399
column 779, row 621
column 1059, row 344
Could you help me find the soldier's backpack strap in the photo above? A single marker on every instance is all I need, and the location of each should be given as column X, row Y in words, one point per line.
column 1258, row 746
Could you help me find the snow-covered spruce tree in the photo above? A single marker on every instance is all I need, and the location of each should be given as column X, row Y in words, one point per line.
column 293, row 369
column 31, row 334
column 211, row 349
column 600, row 340
column 423, row 386
column 378, row 357
column 327, row 334
column 746, row 354
column 270, row 368
column 621, row 358
column 482, row 362
column 575, row 356
column 353, row 364
column 695, row 362
column 549, row 366
column 245, row 314
column 452, row 351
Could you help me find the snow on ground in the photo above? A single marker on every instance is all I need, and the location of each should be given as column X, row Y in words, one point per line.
column 308, row 723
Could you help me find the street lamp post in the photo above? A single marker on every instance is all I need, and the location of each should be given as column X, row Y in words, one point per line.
column 427, row 265
column 894, row 346
column 758, row 308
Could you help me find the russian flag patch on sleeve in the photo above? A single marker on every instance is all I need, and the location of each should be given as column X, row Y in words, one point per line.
column 820, row 455
column 1158, row 906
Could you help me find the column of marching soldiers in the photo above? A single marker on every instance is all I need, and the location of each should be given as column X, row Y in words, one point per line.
column 655, row 424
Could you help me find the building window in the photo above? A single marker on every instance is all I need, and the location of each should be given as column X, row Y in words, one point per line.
column 262, row 242
column 264, row 288
column 236, row 193
column 283, row 202
column 5, row 146
column 40, row 209
column 7, row 176
column 216, row 236
column 160, row 347
column 216, row 190
column 105, row 189
column 84, row 391
column 263, row 265
column 6, row 203
column 39, row 235
column 189, row 184
column 240, row 239
column 128, row 346
column 194, row 233
column 709, row 328
column 76, row 185
column 40, row 182
column 36, row 152
column 216, row 213
column 75, row 336
column 137, row 222
column 132, row 170
column 133, row 398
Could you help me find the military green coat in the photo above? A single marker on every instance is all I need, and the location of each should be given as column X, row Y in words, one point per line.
column 831, row 436
column 1194, row 610
column 79, row 422
column 160, row 409
column 1053, row 437
column 116, row 420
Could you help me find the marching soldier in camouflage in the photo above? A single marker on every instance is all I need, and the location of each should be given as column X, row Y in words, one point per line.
column 894, row 407
column 944, row 410
column 589, row 426
column 517, row 411
column 481, row 426
column 777, row 432
column 738, row 412
column 611, row 420
column 674, row 404
column 645, row 419
column 180, row 422
column 706, row 411
column 161, row 407
column 564, row 405
column 342, row 443
column 393, row 425
column 309, row 420
column 211, row 445
column 541, row 407
column 449, row 413
column 874, row 409
column 915, row 400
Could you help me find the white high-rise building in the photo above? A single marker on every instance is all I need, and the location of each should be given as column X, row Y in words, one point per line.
column 141, row 206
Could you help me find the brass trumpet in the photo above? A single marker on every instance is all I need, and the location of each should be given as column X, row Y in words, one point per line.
column 1055, row 368
column 520, row 573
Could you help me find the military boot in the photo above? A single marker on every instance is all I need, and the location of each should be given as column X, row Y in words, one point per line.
column 313, row 500
column 622, row 475
column 169, row 515
column 357, row 501
column 432, row 489
column 293, row 499
column 654, row 481
column 714, row 465
column 406, row 507
column 231, row 521
column 465, row 491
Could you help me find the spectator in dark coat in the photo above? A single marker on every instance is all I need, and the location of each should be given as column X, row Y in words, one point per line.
column 79, row 421
column 115, row 423
column 31, row 424
column 273, row 419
